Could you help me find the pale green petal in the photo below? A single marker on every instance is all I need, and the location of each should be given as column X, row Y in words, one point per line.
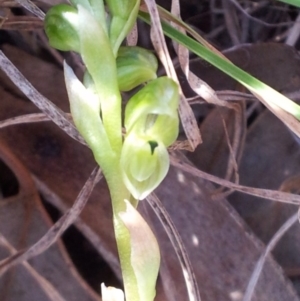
column 153, row 111
column 143, row 162
column 83, row 3
column 165, row 128
column 159, row 97
column 143, row 168
column 135, row 65
column 95, row 8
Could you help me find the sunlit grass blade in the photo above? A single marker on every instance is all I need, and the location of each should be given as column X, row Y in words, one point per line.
column 291, row 2
column 275, row 101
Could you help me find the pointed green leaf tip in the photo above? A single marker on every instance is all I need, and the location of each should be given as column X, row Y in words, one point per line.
column 85, row 110
column 61, row 26
column 145, row 256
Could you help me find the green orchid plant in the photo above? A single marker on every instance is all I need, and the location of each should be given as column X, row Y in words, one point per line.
column 136, row 164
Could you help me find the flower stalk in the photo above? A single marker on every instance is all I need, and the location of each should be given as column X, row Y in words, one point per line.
column 135, row 167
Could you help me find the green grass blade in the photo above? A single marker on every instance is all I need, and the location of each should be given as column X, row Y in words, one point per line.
column 270, row 96
column 291, row 2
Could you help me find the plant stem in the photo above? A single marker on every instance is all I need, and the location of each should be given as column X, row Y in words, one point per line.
column 119, row 193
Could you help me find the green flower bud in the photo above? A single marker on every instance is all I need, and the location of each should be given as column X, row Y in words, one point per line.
column 135, row 65
column 153, row 111
column 61, row 26
column 123, row 17
column 121, row 9
column 144, row 164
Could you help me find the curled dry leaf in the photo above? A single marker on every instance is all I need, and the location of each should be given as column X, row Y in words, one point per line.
column 57, row 229
column 22, row 222
column 132, row 37
column 46, row 286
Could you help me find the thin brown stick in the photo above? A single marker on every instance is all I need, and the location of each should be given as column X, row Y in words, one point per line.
column 45, row 105
column 28, row 118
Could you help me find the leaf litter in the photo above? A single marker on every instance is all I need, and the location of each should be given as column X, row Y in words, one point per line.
column 188, row 120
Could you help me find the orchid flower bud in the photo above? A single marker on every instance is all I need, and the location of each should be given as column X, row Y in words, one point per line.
column 152, row 123
column 135, row 65
column 61, row 26
column 153, row 111
column 144, row 164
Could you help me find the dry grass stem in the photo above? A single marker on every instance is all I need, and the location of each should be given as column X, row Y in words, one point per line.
column 188, row 120
column 93, row 237
column 30, row 6
column 272, row 195
column 28, row 118
column 178, row 246
column 45, row 285
column 45, row 105
column 57, row 229
column 260, row 263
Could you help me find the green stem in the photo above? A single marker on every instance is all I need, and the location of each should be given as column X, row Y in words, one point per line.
column 111, row 116
column 119, row 193
column 101, row 64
